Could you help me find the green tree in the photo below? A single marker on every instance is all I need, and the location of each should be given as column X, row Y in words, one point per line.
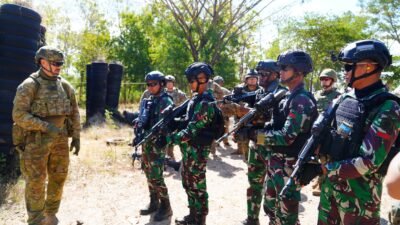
column 318, row 35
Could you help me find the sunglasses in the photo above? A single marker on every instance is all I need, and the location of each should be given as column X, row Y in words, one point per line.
column 58, row 64
column 152, row 84
column 265, row 74
column 349, row 67
column 286, row 67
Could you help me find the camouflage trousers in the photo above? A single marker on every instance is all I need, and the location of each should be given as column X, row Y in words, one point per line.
column 285, row 209
column 335, row 207
column 153, row 167
column 194, row 162
column 44, row 156
column 256, row 173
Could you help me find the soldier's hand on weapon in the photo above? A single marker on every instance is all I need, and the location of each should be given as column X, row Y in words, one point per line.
column 264, row 105
column 53, row 130
column 309, row 172
column 75, row 143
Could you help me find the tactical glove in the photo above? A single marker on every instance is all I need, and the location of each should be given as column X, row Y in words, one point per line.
column 53, row 130
column 75, row 143
column 310, row 171
column 160, row 142
column 265, row 104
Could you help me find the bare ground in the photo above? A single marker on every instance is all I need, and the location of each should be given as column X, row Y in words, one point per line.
column 103, row 188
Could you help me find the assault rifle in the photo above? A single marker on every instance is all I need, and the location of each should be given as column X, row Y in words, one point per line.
column 248, row 97
column 268, row 102
column 170, row 114
column 318, row 132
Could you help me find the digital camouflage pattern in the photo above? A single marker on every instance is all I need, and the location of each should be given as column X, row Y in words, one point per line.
column 324, row 98
column 177, row 95
column 351, row 194
column 258, row 160
column 302, row 111
column 36, row 105
column 153, row 157
column 194, row 158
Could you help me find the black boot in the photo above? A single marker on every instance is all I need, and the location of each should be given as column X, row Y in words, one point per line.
column 201, row 219
column 164, row 211
column 188, row 219
column 251, row 221
column 152, row 207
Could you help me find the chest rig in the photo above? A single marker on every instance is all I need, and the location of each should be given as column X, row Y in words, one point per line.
column 279, row 116
column 51, row 98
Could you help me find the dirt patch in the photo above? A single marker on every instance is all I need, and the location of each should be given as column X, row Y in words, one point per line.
column 104, row 189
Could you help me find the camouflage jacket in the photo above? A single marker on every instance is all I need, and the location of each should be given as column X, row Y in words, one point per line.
column 199, row 115
column 301, row 115
column 177, row 95
column 41, row 97
column 350, row 174
column 324, row 98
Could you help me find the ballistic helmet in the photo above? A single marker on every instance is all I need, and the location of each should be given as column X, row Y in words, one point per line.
column 330, row 73
column 155, row 75
column 372, row 49
column 50, row 54
column 299, row 60
column 268, row 64
column 196, row 68
column 170, row 78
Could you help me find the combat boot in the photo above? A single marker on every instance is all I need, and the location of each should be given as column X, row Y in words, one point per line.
column 152, row 207
column 201, row 219
column 50, row 219
column 251, row 221
column 164, row 211
column 188, row 219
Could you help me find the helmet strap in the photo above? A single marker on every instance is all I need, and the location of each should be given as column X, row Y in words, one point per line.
column 354, row 79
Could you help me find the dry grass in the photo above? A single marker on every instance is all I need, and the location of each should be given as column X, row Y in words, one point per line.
column 104, row 189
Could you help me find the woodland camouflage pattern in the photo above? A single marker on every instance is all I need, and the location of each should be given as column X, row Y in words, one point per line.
column 351, row 194
column 35, row 107
column 284, row 210
column 153, row 157
column 194, row 158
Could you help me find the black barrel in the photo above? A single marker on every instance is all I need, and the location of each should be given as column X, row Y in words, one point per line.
column 98, row 88
column 114, row 79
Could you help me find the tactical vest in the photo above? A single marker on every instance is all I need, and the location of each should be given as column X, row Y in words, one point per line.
column 212, row 131
column 154, row 109
column 279, row 118
column 349, row 123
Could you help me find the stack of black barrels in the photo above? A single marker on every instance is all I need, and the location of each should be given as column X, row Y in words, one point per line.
column 103, row 84
column 21, row 35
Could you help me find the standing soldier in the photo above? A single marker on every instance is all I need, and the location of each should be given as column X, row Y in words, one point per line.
column 365, row 126
column 268, row 72
column 227, row 109
column 324, row 97
column 241, row 136
column 151, row 111
column 284, row 138
column 195, row 141
column 46, row 114
column 178, row 97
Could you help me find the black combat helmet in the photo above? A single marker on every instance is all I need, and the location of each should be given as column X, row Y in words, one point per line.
column 196, row 68
column 299, row 60
column 155, row 75
column 251, row 73
column 374, row 50
column 267, row 64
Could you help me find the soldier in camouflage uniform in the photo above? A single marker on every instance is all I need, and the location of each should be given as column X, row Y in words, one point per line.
column 324, row 97
column 268, row 71
column 46, row 111
column 178, row 97
column 151, row 111
column 289, row 129
column 241, row 136
column 227, row 109
column 195, row 142
column 363, row 132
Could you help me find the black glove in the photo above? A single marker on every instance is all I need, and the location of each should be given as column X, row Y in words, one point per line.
column 265, row 104
column 309, row 172
column 75, row 143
